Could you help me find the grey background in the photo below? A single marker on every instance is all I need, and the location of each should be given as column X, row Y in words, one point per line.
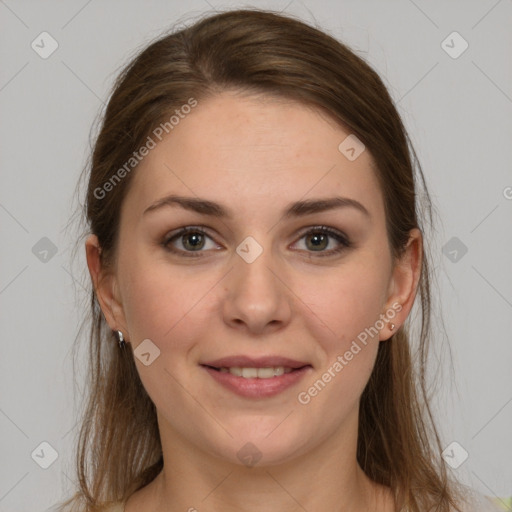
column 458, row 112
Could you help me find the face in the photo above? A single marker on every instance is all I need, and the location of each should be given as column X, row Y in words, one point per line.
column 306, row 292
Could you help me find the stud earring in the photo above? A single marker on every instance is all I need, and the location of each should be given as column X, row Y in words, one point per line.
column 392, row 327
column 120, row 338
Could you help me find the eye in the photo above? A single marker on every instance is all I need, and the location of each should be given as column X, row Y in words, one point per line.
column 317, row 239
column 193, row 239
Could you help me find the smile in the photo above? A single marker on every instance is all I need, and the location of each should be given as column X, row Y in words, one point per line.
column 250, row 382
column 256, row 373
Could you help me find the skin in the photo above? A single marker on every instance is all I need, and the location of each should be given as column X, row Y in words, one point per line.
column 255, row 155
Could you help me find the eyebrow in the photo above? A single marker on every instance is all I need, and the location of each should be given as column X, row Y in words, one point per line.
column 297, row 209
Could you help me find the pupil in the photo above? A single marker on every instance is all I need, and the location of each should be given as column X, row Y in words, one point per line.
column 196, row 237
column 319, row 238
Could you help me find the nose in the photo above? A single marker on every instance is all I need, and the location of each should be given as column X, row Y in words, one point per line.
column 258, row 299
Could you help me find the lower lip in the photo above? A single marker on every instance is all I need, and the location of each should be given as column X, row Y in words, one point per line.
column 258, row 388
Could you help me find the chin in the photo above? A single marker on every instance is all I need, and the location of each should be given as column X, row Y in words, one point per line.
column 272, row 446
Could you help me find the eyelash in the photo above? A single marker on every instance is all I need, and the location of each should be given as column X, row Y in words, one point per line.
column 340, row 237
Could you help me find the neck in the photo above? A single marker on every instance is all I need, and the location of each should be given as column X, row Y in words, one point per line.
column 325, row 478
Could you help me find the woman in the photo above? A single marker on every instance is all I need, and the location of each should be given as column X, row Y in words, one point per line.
column 255, row 249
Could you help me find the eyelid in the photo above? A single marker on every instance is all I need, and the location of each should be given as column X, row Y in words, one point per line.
column 340, row 236
column 327, row 229
column 177, row 233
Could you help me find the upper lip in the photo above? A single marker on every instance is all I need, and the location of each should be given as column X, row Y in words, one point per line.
column 255, row 362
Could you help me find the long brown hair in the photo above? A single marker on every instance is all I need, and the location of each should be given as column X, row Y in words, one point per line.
column 255, row 51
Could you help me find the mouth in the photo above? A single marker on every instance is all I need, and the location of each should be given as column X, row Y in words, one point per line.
column 256, row 378
column 256, row 373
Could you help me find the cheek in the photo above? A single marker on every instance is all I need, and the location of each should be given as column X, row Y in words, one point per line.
column 160, row 302
column 347, row 302
column 173, row 307
column 346, row 322
column 347, row 348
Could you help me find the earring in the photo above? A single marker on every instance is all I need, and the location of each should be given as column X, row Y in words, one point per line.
column 120, row 337
column 392, row 326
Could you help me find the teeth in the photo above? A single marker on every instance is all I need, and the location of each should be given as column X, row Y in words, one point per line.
column 253, row 373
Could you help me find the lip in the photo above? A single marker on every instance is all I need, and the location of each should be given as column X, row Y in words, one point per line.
column 258, row 388
column 255, row 362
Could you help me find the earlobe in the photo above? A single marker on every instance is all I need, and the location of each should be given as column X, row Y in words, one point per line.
column 104, row 285
column 404, row 282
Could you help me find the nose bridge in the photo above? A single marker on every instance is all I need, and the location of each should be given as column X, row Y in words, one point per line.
column 256, row 296
column 252, row 268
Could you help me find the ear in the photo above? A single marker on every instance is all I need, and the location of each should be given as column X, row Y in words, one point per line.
column 105, row 286
column 404, row 283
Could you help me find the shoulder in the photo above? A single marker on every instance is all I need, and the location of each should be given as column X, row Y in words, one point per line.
column 118, row 506
column 476, row 502
column 113, row 506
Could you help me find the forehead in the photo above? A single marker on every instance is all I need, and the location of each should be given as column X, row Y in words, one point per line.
column 238, row 149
